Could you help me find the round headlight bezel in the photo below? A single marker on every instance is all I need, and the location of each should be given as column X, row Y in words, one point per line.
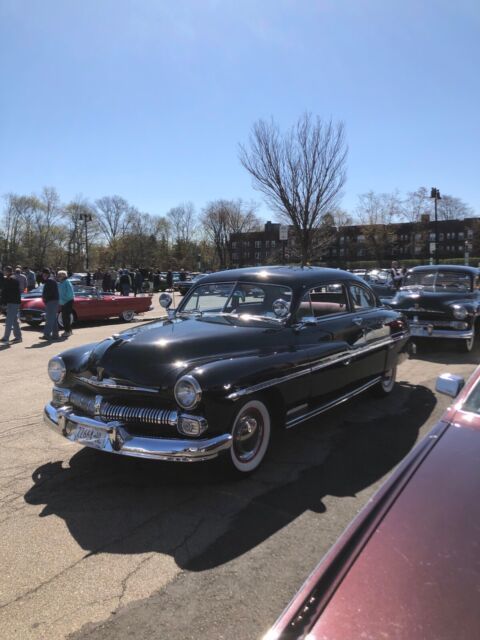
column 56, row 364
column 460, row 312
column 196, row 392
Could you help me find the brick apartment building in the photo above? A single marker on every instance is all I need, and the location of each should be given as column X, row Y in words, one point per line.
column 361, row 243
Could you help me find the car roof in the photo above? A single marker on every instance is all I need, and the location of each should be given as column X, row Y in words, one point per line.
column 447, row 267
column 282, row 275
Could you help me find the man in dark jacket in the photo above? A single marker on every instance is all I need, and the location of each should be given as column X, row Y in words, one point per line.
column 11, row 298
column 50, row 298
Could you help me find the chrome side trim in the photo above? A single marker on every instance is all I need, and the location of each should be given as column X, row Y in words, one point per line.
column 322, row 364
column 117, row 440
column 110, row 383
column 268, row 383
column 333, row 403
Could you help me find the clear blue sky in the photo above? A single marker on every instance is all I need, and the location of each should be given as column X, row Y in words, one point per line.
column 149, row 99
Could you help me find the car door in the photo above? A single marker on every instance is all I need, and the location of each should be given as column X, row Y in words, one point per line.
column 373, row 321
column 327, row 330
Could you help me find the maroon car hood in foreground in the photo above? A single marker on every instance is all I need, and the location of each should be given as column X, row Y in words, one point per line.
column 409, row 567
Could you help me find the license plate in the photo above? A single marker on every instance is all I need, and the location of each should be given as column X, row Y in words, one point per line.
column 418, row 331
column 91, row 437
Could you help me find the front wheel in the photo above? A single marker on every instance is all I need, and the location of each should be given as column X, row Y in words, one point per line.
column 387, row 383
column 127, row 316
column 469, row 342
column 251, row 434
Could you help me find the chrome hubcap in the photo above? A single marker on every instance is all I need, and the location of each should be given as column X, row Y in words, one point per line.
column 248, row 435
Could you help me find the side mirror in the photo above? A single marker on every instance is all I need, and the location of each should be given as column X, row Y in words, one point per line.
column 449, row 384
column 165, row 300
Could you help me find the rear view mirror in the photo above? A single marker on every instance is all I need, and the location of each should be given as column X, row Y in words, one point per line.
column 449, row 384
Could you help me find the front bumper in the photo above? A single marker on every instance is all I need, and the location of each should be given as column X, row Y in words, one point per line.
column 112, row 437
column 429, row 331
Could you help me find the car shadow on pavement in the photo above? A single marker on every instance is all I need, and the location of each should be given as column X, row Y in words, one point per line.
column 117, row 505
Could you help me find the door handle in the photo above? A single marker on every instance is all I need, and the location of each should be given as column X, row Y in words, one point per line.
column 358, row 320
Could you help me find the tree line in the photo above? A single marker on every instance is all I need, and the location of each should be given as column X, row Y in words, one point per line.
column 39, row 229
column 300, row 172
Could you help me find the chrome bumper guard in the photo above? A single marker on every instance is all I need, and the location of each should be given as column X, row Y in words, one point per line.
column 428, row 331
column 112, row 437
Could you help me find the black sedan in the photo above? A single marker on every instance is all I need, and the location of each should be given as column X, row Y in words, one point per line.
column 441, row 301
column 247, row 352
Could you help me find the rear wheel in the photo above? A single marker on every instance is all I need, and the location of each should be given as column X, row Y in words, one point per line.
column 251, row 435
column 127, row 316
column 387, row 383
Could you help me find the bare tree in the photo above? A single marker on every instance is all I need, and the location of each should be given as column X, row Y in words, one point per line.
column 114, row 215
column 376, row 212
column 182, row 222
column 452, row 208
column 415, row 205
column 301, row 172
column 220, row 219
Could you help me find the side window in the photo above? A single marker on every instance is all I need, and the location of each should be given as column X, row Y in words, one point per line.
column 361, row 297
column 323, row 300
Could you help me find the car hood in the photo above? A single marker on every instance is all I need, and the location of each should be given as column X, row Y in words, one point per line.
column 418, row 574
column 157, row 353
column 408, row 298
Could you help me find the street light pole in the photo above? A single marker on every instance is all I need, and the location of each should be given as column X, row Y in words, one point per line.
column 86, row 217
column 435, row 194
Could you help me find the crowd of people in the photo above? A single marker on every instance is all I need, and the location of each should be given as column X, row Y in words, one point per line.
column 57, row 293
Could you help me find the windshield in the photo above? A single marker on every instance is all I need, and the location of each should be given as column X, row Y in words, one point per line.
column 472, row 403
column 440, row 280
column 236, row 299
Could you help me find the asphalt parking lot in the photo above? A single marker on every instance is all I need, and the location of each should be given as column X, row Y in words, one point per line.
column 98, row 547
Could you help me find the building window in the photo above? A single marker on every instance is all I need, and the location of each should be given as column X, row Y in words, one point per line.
column 235, row 255
column 470, row 234
column 273, row 244
column 258, row 244
column 257, row 255
column 267, row 244
column 234, row 245
column 361, row 238
column 342, row 251
column 418, row 236
column 461, row 235
column 432, row 237
column 441, row 237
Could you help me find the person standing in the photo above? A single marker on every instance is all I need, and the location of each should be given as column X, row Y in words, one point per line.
column 137, row 282
column 31, row 280
column 50, row 298
column 125, row 283
column 107, row 282
column 65, row 297
column 11, row 298
column 22, row 280
column 169, row 280
column 397, row 275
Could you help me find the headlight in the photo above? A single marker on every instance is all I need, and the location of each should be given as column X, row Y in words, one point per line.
column 459, row 312
column 188, row 392
column 57, row 370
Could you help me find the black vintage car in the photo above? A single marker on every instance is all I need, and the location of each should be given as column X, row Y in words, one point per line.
column 247, row 352
column 441, row 301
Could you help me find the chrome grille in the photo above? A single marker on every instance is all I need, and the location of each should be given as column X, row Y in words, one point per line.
column 144, row 415
column 111, row 411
